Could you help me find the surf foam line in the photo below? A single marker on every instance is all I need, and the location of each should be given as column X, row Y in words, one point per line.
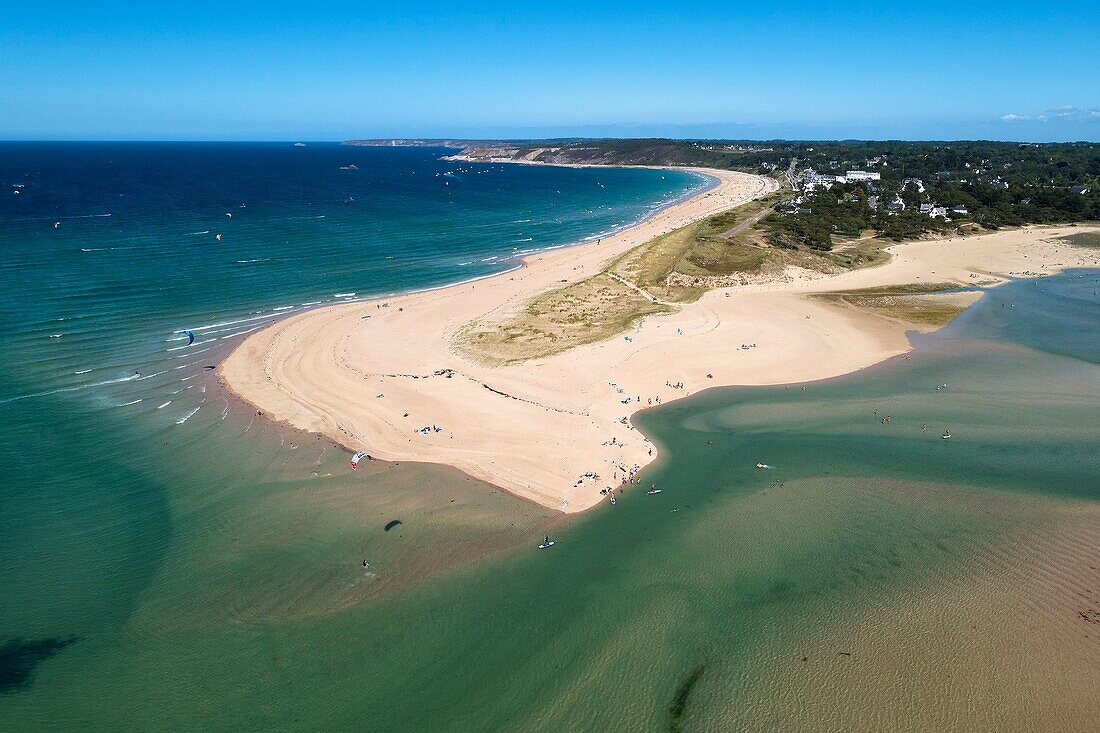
column 241, row 333
column 187, row 417
column 208, row 326
column 61, row 218
column 212, row 332
column 190, row 353
column 75, row 388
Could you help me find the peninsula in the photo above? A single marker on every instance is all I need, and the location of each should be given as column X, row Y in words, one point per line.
column 529, row 379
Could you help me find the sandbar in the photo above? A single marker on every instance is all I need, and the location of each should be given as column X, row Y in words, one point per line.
column 373, row 374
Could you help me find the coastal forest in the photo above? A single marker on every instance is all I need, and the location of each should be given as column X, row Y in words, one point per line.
column 981, row 184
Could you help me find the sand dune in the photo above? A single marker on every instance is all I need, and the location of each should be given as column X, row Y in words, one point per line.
column 371, row 375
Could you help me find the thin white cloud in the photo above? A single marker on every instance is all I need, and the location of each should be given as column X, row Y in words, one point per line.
column 1064, row 113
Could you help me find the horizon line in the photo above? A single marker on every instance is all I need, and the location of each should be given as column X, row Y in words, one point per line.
column 560, row 139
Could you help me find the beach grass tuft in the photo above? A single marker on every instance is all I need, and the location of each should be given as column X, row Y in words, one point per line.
column 1083, row 239
column 919, row 304
column 580, row 313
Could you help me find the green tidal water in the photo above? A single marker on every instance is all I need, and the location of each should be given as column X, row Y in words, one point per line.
column 681, row 611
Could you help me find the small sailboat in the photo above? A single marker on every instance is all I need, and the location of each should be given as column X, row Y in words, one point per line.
column 547, row 542
column 946, row 435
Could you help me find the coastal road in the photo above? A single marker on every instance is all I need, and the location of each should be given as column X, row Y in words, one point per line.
column 757, row 217
column 746, row 223
column 790, row 172
column 644, row 293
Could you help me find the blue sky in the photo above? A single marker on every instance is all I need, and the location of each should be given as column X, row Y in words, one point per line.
column 335, row 70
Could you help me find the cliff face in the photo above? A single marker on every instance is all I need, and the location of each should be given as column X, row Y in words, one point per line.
column 581, row 153
column 564, row 152
column 500, row 150
column 396, row 142
column 563, row 155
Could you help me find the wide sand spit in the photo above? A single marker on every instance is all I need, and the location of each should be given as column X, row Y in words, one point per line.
column 372, row 375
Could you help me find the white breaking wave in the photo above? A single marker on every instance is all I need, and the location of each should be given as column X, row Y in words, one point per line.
column 187, row 417
column 70, row 389
column 209, row 326
column 242, row 333
column 190, row 353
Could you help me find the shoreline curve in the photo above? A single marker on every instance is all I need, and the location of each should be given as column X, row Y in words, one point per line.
column 372, row 374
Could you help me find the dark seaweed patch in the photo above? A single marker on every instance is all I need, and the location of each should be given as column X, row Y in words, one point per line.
column 680, row 699
column 390, row 525
column 19, row 658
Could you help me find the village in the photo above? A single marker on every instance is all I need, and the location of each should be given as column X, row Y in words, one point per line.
column 831, row 198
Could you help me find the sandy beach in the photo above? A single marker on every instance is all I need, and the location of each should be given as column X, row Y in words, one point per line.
column 383, row 375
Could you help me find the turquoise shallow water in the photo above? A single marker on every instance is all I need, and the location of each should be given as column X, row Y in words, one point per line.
column 681, row 609
column 109, row 251
column 208, row 575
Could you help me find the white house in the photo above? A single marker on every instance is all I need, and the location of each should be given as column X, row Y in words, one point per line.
column 914, row 181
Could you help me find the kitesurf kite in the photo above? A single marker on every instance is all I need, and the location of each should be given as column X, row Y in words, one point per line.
column 358, row 457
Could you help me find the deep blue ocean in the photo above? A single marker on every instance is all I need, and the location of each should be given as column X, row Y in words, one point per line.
column 107, row 244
